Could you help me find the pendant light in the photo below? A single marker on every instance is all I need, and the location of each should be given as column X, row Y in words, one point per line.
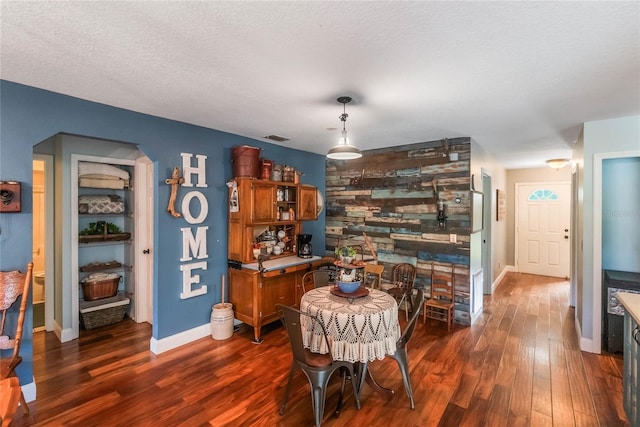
column 344, row 151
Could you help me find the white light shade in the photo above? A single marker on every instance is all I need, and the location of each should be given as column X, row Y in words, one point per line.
column 344, row 152
column 558, row 163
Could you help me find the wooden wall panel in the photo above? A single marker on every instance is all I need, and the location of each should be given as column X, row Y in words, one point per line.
column 389, row 195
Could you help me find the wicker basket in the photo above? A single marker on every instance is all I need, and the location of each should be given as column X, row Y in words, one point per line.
column 105, row 312
column 98, row 289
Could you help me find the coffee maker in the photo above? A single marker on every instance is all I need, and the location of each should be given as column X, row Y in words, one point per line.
column 304, row 246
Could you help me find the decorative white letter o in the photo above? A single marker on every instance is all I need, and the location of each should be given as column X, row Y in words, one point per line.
column 186, row 207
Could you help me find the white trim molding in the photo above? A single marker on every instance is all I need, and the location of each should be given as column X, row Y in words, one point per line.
column 174, row 341
column 596, row 262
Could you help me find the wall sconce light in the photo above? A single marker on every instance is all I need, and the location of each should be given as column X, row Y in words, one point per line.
column 558, row 163
column 442, row 218
column 344, row 151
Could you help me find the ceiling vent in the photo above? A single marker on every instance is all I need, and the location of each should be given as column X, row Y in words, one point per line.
column 277, row 138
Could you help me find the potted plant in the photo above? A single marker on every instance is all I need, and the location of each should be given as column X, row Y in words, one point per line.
column 345, row 254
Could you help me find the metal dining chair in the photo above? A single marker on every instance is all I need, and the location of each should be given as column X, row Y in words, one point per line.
column 414, row 298
column 316, row 279
column 317, row 367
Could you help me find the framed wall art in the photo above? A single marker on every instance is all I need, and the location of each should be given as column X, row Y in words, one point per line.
column 501, row 205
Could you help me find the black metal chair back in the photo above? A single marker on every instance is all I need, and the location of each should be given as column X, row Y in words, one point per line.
column 317, row 367
column 414, row 298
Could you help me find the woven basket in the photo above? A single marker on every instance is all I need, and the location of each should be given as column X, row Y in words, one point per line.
column 102, row 313
column 97, row 289
column 108, row 316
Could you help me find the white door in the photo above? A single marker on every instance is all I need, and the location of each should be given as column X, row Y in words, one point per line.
column 542, row 228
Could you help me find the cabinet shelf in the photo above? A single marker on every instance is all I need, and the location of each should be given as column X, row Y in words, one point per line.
column 121, row 268
column 105, row 189
column 98, row 215
column 104, row 243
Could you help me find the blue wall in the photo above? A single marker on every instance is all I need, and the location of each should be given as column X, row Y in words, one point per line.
column 621, row 214
column 29, row 115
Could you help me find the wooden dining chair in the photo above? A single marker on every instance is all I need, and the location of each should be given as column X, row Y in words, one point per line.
column 373, row 275
column 403, row 277
column 9, row 397
column 441, row 304
column 13, row 285
column 317, row 367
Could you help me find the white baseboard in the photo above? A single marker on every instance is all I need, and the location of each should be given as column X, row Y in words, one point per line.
column 169, row 343
column 474, row 316
column 63, row 335
column 505, row 270
column 67, row 335
column 586, row 344
column 29, row 390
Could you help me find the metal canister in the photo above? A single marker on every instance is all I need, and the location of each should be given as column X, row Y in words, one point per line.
column 288, row 174
column 276, row 173
column 266, row 168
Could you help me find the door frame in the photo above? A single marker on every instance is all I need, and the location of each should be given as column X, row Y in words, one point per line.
column 49, row 240
column 485, row 234
column 575, row 239
column 518, row 186
column 144, row 224
column 596, row 261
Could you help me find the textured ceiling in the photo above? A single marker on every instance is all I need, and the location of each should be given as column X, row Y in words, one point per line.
column 517, row 77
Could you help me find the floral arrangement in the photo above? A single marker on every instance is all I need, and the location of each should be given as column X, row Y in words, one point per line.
column 345, row 251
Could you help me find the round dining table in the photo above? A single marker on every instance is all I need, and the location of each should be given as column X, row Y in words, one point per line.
column 359, row 329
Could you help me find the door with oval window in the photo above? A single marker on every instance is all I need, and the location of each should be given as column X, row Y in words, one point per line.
column 542, row 228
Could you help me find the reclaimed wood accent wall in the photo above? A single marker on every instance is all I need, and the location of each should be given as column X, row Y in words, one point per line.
column 391, row 195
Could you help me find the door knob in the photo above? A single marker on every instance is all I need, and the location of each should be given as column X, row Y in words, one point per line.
column 146, row 251
column 566, row 237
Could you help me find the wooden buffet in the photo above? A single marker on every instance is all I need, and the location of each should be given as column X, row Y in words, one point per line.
column 255, row 293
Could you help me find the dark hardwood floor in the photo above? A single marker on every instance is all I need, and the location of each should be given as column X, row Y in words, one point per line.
column 518, row 365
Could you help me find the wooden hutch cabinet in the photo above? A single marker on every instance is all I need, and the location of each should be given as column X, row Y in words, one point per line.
column 268, row 213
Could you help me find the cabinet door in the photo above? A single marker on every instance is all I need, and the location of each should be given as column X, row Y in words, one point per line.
column 307, row 203
column 263, row 202
column 277, row 289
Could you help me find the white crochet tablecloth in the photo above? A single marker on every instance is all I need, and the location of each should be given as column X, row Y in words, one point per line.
column 359, row 330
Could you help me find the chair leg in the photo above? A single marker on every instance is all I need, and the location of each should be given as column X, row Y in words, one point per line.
column 401, row 358
column 288, row 388
column 23, row 404
column 318, row 396
column 343, row 381
column 354, row 385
